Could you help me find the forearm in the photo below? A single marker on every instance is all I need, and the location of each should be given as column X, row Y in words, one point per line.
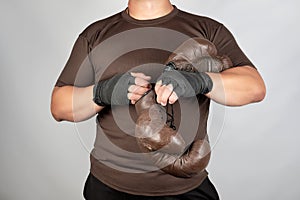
column 74, row 104
column 237, row 86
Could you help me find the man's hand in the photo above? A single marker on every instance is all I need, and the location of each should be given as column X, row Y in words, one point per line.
column 141, row 86
column 121, row 88
column 173, row 84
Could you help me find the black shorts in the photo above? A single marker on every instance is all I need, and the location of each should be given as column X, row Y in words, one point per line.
column 96, row 190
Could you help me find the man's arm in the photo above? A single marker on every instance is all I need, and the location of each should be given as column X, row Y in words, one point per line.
column 233, row 87
column 70, row 103
column 75, row 104
column 237, row 86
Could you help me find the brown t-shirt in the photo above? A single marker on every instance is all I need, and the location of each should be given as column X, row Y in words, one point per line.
column 120, row 44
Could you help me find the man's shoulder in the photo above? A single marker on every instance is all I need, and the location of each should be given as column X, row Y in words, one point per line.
column 101, row 24
column 197, row 18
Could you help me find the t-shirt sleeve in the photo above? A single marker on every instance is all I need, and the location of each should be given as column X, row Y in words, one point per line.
column 227, row 45
column 78, row 70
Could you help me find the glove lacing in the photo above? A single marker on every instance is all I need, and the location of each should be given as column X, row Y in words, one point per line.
column 170, row 117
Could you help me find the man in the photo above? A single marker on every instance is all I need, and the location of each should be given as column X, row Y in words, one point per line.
column 96, row 80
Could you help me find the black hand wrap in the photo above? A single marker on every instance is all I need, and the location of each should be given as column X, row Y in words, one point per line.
column 113, row 91
column 186, row 84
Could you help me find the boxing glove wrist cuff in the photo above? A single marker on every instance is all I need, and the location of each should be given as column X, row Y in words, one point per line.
column 96, row 95
column 207, row 83
column 113, row 91
column 200, row 82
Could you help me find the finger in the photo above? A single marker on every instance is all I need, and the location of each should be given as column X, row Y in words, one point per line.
column 134, row 97
column 164, row 92
column 157, row 85
column 173, row 98
column 140, row 75
column 159, row 90
column 142, row 82
column 137, row 89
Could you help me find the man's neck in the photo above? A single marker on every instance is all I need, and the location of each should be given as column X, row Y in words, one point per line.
column 149, row 9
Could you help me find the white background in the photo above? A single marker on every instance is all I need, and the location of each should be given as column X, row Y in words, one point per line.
column 257, row 156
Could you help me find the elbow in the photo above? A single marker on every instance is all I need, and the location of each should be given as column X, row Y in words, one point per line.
column 260, row 95
column 56, row 108
column 60, row 112
column 61, row 106
column 62, row 115
column 259, row 92
column 56, row 113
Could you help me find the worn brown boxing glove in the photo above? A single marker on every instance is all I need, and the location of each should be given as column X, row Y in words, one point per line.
column 151, row 129
column 199, row 55
column 165, row 147
column 191, row 162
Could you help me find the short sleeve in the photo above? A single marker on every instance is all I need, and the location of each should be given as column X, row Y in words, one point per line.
column 78, row 70
column 227, row 45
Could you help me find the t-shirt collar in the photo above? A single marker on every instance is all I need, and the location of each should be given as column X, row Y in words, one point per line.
column 150, row 21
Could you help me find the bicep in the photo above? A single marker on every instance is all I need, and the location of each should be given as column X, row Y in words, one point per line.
column 245, row 70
